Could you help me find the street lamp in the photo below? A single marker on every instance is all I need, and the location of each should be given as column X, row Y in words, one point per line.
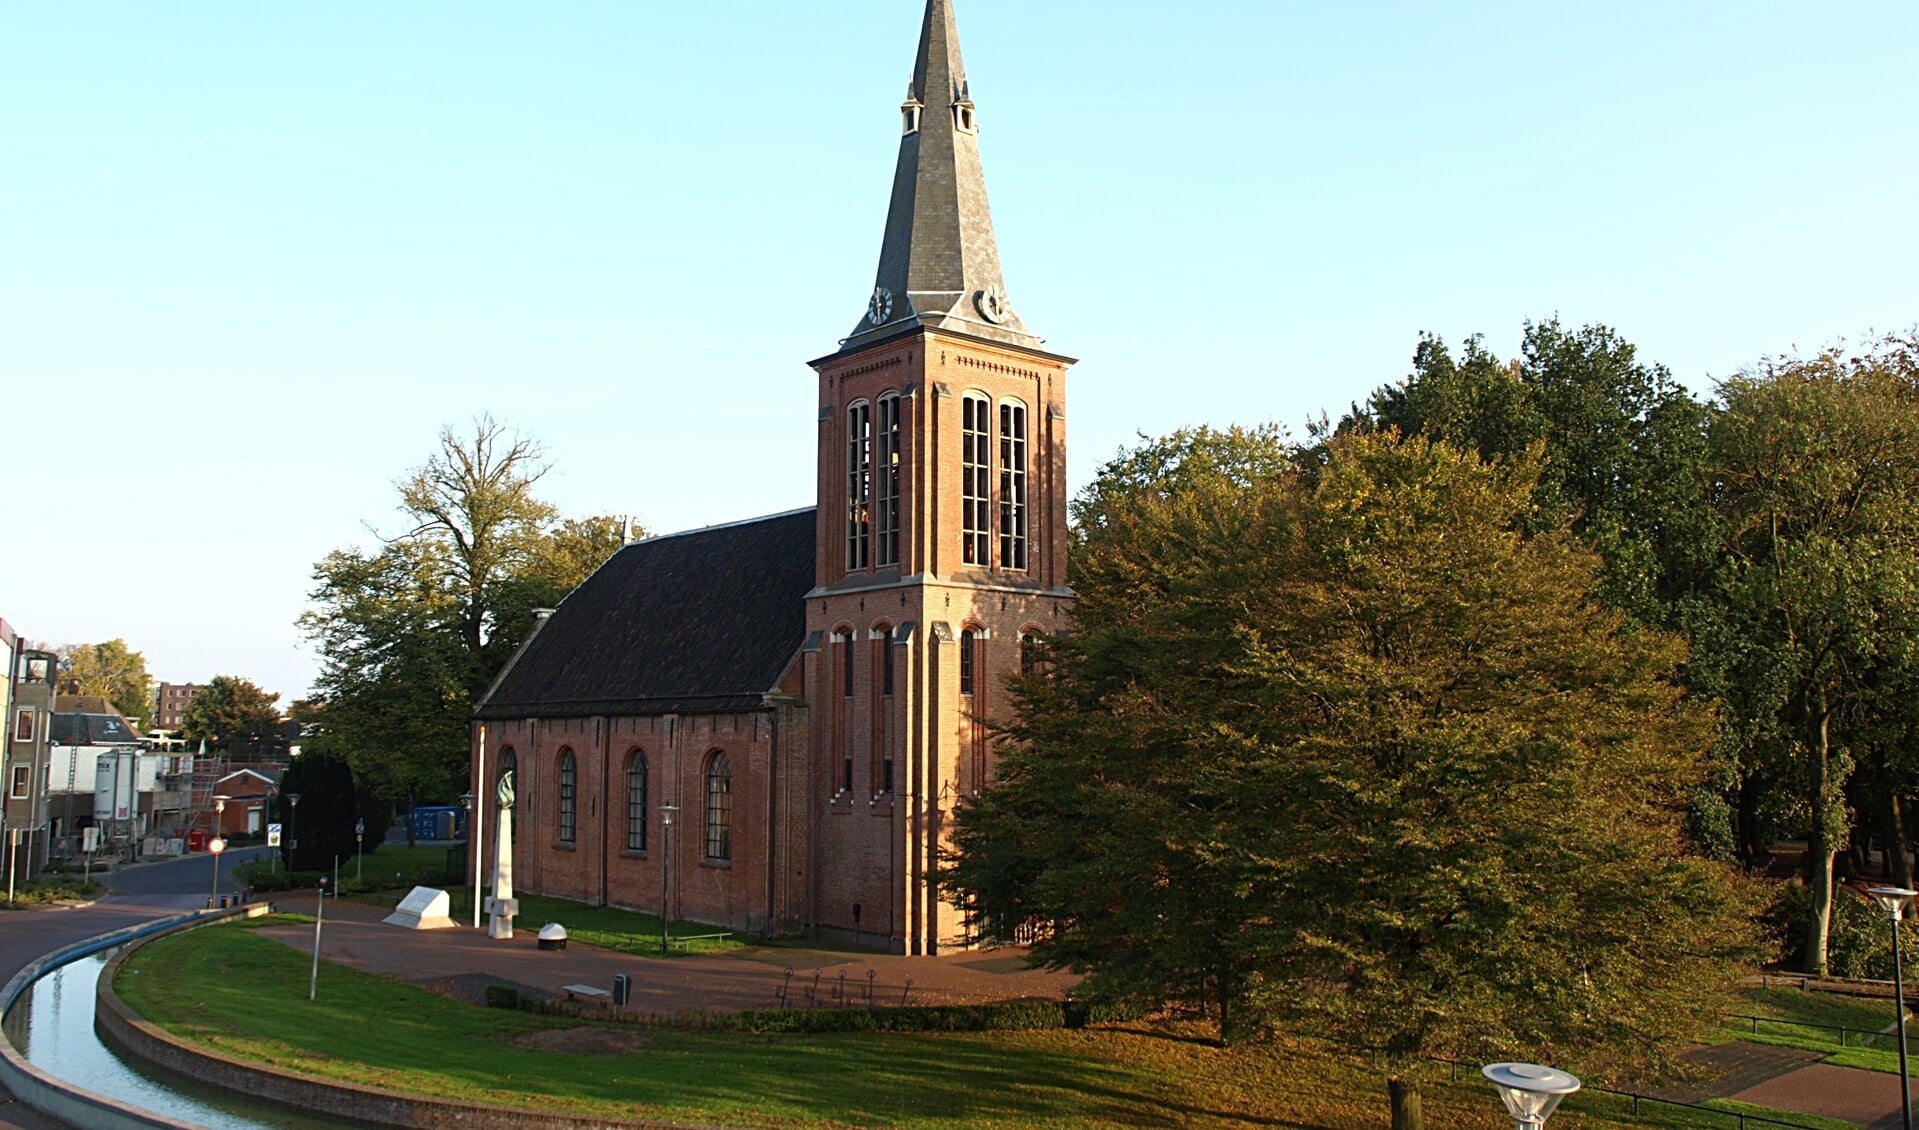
column 472, row 849
column 215, row 846
column 1531, row 1092
column 293, row 839
column 666, row 875
column 1896, row 900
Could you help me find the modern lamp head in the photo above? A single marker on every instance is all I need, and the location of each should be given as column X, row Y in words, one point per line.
column 466, row 801
column 1896, row 900
column 1531, row 1092
column 220, row 802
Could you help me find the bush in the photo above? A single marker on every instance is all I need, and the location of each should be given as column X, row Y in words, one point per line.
column 1859, row 945
column 998, row 1016
column 502, row 996
column 54, row 888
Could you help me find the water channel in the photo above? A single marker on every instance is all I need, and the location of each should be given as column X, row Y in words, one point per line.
column 52, row 1025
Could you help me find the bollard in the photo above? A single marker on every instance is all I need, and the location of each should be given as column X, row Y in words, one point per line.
column 813, row 994
column 870, row 974
column 842, row 989
column 784, row 983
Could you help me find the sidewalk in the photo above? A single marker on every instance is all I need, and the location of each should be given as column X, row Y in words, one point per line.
column 462, row 961
column 1793, row 1080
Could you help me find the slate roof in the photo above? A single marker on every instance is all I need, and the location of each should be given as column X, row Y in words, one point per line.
column 92, row 729
column 939, row 261
column 689, row 623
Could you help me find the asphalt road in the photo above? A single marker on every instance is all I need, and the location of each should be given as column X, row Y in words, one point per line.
column 139, row 893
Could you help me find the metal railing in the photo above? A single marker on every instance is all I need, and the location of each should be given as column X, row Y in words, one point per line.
column 1865, row 1035
column 1731, row 1119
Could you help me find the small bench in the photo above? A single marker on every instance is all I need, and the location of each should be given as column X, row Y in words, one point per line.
column 584, row 992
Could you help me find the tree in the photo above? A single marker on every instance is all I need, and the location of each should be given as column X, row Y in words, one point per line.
column 1623, row 447
column 411, row 634
column 323, row 822
column 233, row 715
column 113, row 671
column 1809, row 636
column 1347, row 746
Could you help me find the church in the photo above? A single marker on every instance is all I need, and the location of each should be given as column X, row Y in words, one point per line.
column 769, row 725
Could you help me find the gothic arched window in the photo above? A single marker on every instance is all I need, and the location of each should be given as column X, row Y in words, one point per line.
column 569, row 798
column 966, row 659
column 636, row 802
column 886, row 482
column 976, row 484
column 1012, row 485
column 859, row 485
column 719, row 808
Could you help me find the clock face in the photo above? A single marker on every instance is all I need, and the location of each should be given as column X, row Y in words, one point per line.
column 992, row 304
column 880, row 309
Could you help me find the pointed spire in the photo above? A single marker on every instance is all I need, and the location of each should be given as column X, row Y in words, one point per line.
column 939, row 263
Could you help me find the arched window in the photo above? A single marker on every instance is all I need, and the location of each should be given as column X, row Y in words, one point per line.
column 886, row 485
column 976, row 485
column 1012, row 485
column 636, row 802
column 859, row 485
column 966, row 656
column 1028, row 653
column 569, row 799
column 719, row 808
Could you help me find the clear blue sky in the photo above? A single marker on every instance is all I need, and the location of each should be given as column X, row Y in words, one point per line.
column 253, row 256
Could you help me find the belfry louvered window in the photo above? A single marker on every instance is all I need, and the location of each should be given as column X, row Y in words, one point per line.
column 886, row 473
column 976, row 483
column 569, row 798
column 859, row 485
column 1012, row 485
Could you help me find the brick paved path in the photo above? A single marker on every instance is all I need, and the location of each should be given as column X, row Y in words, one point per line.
column 461, row 961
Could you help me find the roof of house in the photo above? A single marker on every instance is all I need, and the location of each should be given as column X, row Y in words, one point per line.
column 258, row 776
column 697, row 622
column 92, row 729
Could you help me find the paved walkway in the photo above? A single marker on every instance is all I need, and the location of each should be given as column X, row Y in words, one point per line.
column 460, row 962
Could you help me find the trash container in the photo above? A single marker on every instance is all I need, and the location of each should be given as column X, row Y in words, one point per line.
column 196, row 841
column 622, row 990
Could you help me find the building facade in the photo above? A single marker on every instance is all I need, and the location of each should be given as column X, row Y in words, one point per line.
column 28, row 742
column 770, row 725
column 169, row 701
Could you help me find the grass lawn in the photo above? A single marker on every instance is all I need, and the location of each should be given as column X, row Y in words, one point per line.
column 1801, row 1019
column 228, row 988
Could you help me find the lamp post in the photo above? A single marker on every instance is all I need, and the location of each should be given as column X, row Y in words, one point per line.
column 293, row 829
column 472, row 849
column 1896, row 900
column 666, row 873
column 1531, row 1092
column 215, row 846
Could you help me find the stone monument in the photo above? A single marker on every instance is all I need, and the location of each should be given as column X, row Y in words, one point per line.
column 426, row 908
column 502, row 906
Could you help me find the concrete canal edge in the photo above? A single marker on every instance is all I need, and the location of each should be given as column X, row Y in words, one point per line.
column 133, row 1036
column 65, row 1101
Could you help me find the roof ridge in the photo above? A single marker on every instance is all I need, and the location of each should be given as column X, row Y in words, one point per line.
column 723, row 526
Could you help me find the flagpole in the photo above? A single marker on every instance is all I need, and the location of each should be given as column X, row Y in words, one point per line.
column 479, row 823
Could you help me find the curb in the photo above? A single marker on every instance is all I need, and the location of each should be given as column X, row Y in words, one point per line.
column 141, row 1039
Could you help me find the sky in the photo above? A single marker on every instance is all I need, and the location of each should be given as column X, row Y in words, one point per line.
column 253, row 257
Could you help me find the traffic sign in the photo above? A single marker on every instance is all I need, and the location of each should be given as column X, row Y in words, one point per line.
column 273, row 835
column 216, row 845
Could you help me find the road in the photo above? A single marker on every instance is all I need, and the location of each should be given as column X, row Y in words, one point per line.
column 140, row 893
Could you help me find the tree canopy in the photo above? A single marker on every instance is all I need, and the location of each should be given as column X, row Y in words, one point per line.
column 410, row 634
column 233, row 715
column 1348, row 740
column 113, row 671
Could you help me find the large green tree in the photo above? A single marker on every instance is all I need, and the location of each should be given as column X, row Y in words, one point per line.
column 113, row 671
column 233, row 715
column 410, row 634
column 1354, row 745
column 1809, row 635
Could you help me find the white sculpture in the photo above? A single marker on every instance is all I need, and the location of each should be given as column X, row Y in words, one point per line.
column 426, row 908
column 502, row 906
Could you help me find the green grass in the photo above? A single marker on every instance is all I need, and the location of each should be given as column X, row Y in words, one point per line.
column 1802, row 1020
column 228, row 988
column 627, row 931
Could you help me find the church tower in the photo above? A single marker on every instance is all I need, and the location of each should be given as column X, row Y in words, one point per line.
column 941, row 544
